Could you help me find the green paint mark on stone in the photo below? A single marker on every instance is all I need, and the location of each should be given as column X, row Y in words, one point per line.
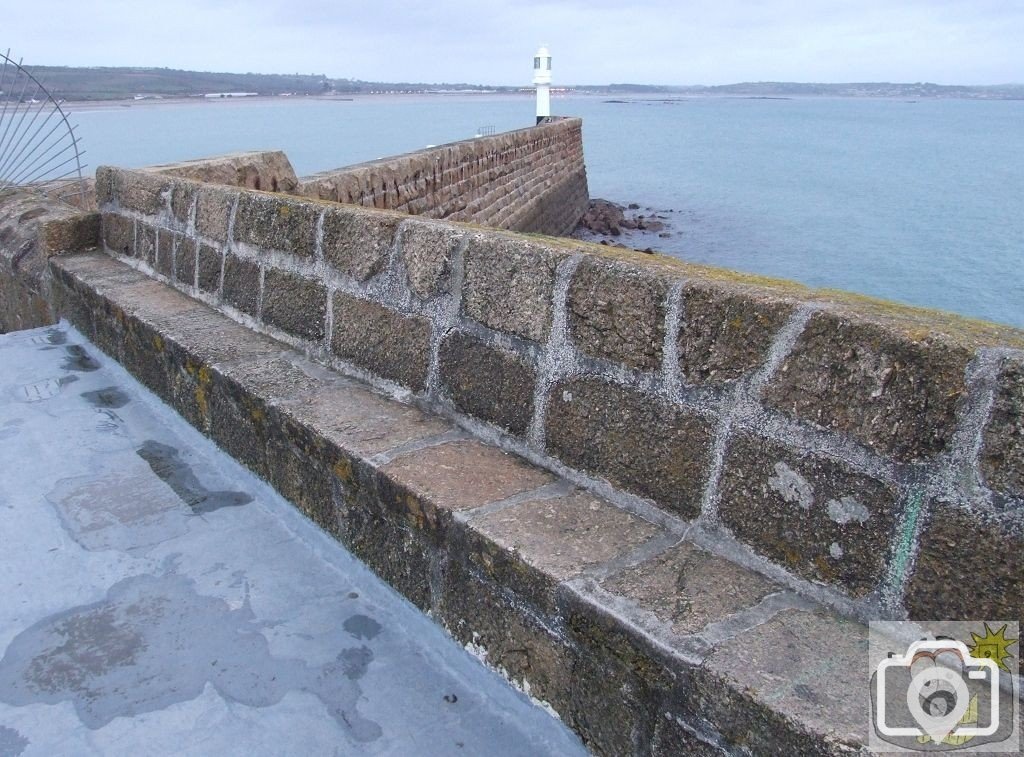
column 906, row 541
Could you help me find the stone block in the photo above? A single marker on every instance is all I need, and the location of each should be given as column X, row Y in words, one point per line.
column 213, row 212
column 617, row 312
column 267, row 170
column 358, row 242
column 360, row 421
column 1002, row 452
column 888, row 390
column 183, row 195
column 145, row 357
column 725, row 334
column 688, row 588
column 489, row 383
column 618, row 683
column 214, row 339
column 71, row 233
column 209, row 263
column 784, row 687
column 403, row 556
column 273, row 378
column 818, row 517
column 382, row 341
column 563, row 536
column 142, row 192
column 427, row 252
column 271, row 222
column 294, row 304
column 242, row 284
column 509, row 284
column 480, row 613
column 185, row 261
column 637, row 442
column 145, row 243
column 238, row 421
column 165, row 252
column 107, row 179
column 457, row 476
column 970, row 566
column 119, row 234
column 185, row 382
column 673, row 736
column 303, row 470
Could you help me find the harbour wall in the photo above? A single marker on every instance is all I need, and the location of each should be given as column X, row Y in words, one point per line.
column 865, row 454
column 530, row 180
column 714, row 476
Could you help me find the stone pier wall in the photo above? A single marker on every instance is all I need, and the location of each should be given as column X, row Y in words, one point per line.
column 531, row 180
column 868, row 455
column 32, row 229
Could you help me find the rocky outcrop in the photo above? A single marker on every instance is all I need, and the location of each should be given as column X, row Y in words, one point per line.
column 606, row 221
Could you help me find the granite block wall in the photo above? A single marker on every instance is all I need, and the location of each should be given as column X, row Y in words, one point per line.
column 531, row 180
column 866, row 454
column 32, row 229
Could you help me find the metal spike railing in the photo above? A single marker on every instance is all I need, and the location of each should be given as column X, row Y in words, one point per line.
column 39, row 149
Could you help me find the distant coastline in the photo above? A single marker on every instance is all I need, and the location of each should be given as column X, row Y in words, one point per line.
column 140, row 85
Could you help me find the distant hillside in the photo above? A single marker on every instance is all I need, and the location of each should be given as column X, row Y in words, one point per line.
column 120, row 83
column 795, row 89
column 124, row 83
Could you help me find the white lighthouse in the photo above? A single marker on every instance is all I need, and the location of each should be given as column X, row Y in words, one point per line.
column 542, row 81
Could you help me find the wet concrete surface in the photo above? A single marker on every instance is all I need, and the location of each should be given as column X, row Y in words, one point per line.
column 156, row 598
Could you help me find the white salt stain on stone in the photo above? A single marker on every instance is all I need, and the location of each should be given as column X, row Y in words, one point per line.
column 846, row 510
column 791, row 486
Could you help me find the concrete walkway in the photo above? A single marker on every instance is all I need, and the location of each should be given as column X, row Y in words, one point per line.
column 157, row 598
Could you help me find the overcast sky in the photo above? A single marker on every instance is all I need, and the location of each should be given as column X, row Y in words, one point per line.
column 481, row 41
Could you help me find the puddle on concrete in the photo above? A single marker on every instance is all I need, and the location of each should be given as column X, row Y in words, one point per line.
column 53, row 339
column 107, row 397
column 355, row 662
column 362, row 627
column 166, row 462
column 79, row 360
column 12, row 743
column 152, row 642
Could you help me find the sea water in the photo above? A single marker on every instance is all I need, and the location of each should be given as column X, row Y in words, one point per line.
column 916, row 201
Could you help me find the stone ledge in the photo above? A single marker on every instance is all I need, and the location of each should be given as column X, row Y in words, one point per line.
column 500, row 556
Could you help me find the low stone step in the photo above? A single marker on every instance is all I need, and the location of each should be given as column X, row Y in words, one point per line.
column 640, row 639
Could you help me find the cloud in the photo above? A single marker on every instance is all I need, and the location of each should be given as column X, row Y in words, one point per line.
column 593, row 41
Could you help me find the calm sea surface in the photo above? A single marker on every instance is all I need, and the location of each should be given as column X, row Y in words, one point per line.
column 921, row 202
